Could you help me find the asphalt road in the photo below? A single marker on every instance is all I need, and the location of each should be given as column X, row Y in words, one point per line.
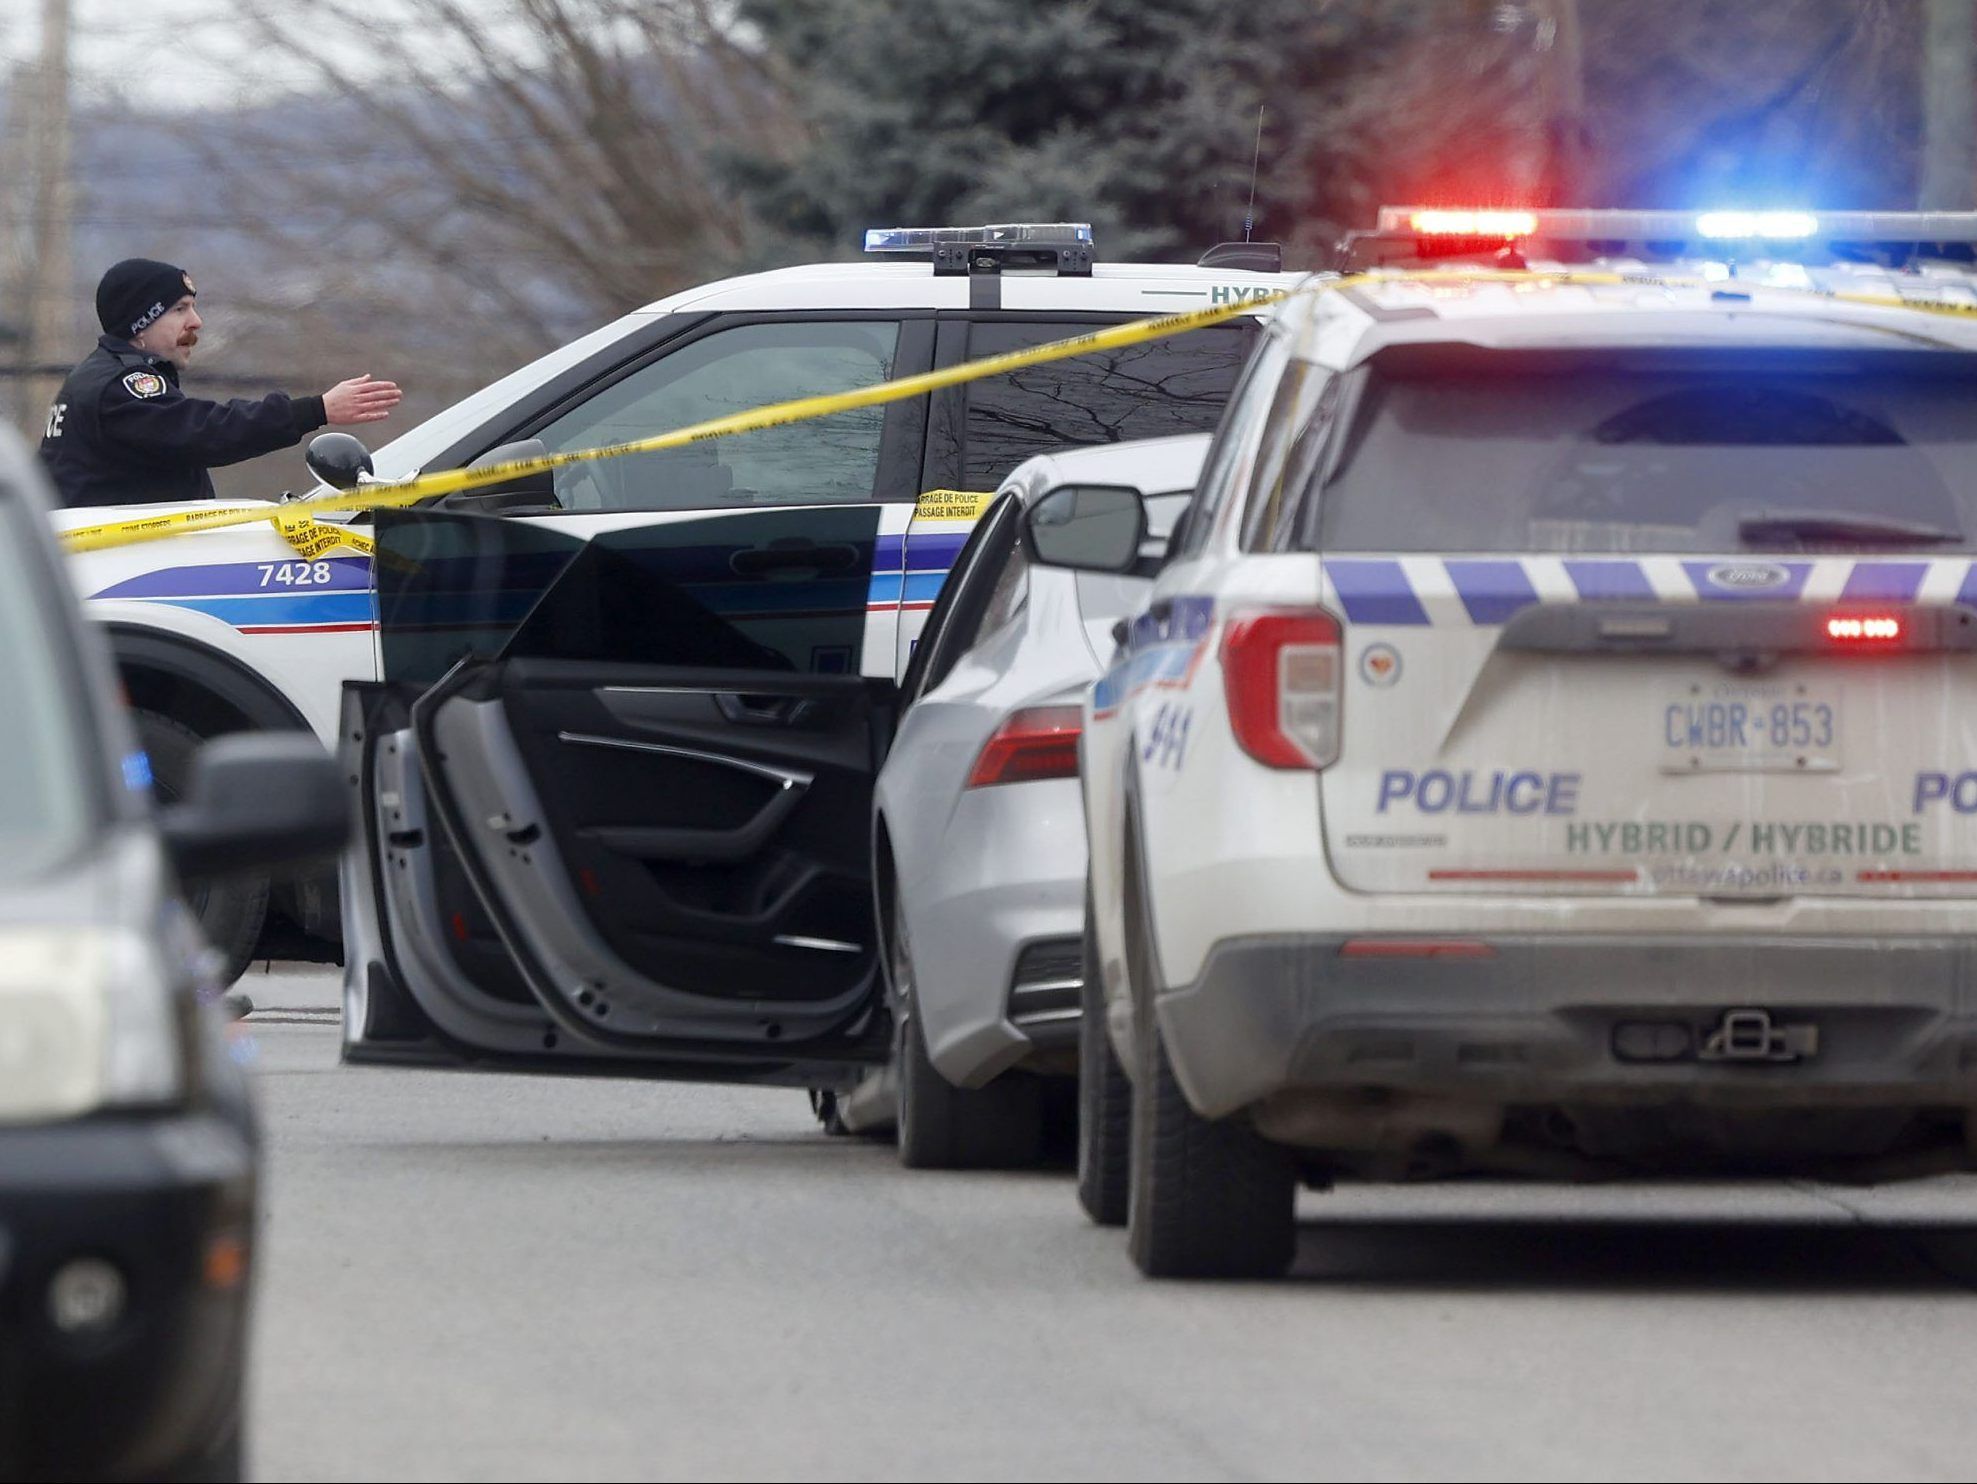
column 481, row 1277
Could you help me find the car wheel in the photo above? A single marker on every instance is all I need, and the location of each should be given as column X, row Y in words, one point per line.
column 944, row 1127
column 1207, row 1198
column 1105, row 1100
column 233, row 909
column 824, row 1108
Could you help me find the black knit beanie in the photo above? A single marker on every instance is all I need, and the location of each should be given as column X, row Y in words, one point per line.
column 135, row 292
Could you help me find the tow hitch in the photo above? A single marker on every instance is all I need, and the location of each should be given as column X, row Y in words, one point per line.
column 1752, row 1036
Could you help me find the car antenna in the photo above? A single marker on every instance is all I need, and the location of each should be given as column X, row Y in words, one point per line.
column 1248, row 255
column 1255, row 160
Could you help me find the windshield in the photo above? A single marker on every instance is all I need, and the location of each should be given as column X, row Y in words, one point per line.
column 1452, row 449
column 44, row 793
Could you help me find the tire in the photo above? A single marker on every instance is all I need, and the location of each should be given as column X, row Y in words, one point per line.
column 1105, row 1100
column 944, row 1127
column 824, row 1108
column 233, row 909
column 1206, row 1198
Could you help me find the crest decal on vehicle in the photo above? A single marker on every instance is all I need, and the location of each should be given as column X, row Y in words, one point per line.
column 1379, row 665
column 145, row 384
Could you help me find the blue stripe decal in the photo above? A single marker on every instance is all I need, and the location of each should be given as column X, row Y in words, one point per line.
column 1491, row 591
column 1884, row 582
column 297, row 608
column 1710, row 591
column 1968, row 592
column 933, row 552
column 922, row 587
column 1375, row 592
column 1610, row 582
column 346, row 574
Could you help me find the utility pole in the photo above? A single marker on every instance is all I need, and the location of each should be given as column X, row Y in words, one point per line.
column 1949, row 112
column 51, row 274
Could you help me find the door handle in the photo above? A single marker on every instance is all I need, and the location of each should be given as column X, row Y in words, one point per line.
column 762, row 711
column 793, row 556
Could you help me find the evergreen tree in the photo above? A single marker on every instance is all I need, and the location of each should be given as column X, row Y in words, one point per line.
column 1139, row 116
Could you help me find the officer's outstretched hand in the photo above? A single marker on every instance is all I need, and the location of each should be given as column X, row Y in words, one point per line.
column 360, row 400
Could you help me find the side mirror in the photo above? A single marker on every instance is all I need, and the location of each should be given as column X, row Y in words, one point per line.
column 338, row 460
column 537, row 491
column 256, row 800
column 1087, row 527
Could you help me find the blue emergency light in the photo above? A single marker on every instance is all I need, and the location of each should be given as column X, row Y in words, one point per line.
column 921, row 241
column 1750, row 226
column 1051, row 247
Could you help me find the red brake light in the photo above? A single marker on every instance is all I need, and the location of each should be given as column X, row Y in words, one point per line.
column 1875, row 628
column 1281, row 677
column 1034, row 743
column 1474, row 223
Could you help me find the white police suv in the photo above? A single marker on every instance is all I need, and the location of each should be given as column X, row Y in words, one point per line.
column 1548, row 749
column 230, row 629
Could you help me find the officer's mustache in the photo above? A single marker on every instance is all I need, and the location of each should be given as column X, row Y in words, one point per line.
column 189, row 339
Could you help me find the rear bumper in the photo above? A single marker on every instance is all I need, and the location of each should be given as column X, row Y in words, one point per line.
column 1548, row 1021
column 162, row 1382
column 1011, row 880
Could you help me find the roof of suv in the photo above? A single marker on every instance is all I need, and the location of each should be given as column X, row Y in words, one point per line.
column 1691, row 303
column 1146, row 288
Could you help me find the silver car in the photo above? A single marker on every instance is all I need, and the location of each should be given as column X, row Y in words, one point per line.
column 978, row 832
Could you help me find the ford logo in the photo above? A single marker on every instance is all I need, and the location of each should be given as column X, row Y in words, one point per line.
column 1749, row 576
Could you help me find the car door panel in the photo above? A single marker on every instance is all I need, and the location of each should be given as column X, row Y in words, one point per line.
column 656, row 793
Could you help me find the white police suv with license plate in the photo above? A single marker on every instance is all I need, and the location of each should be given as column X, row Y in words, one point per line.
column 229, row 629
column 1547, row 749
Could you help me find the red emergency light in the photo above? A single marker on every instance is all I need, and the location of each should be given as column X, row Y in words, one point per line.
column 1504, row 224
column 1863, row 629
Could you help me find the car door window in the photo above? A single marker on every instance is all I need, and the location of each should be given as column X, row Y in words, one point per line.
column 1177, row 385
column 1229, row 458
column 826, row 460
column 958, row 614
column 1293, row 434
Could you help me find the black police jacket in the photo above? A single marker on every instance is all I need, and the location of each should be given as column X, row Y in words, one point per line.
column 122, row 433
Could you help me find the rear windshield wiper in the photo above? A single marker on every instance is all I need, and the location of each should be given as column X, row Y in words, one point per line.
column 1840, row 528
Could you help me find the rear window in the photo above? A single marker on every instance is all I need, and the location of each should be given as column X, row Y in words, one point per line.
column 1176, row 385
column 1459, row 450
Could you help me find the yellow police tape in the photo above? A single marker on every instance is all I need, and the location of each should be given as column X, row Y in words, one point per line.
column 298, row 525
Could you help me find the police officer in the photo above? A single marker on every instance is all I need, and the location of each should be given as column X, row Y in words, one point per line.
column 121, row 432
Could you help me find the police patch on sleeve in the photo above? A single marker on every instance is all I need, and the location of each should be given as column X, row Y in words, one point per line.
column 145, row 384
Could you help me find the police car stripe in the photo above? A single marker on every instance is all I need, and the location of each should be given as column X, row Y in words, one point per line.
column 239, row 579
column 1375, row 592
column 311, row 610
column 1884, row 582
column 1484, row 592
column 1492, row 590
column 1610, row 582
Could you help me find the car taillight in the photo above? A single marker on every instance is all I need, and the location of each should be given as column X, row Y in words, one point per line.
column 1866, row 628
column 1034, row 743
column 1281, row 675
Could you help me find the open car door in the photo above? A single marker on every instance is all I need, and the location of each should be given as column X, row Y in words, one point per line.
column 615, row 797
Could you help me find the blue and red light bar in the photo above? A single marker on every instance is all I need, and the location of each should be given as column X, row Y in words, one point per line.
column 1728, row 225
